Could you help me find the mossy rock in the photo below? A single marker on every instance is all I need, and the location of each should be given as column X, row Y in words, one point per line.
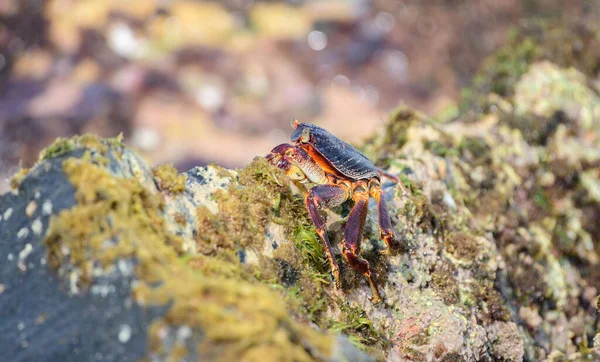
column 104, row 264
column 575, row 45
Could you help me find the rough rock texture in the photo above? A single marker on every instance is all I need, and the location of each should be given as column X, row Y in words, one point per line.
column 97, row 268
column 498, row 261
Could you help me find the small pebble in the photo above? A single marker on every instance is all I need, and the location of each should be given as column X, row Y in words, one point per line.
column 7, row 213
column 184, row 332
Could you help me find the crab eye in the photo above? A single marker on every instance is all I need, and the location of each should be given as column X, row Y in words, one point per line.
column 295, row 123
column 305, row 135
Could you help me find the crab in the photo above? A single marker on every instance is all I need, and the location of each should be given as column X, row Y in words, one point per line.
column 339, row 172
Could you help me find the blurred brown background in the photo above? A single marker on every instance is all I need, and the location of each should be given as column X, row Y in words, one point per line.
column 193, row 82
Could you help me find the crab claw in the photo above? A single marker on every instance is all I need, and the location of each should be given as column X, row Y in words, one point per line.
column 273, row 158
column 277, row 153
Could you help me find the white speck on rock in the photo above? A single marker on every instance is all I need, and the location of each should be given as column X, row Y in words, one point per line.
column 37, row 226
column 65, row 250
column 124, row 333
column 99, row 290
column 37, row 194
column 10, row 256
column 184, row 333
column 2, row 288
column 449, row 201
column 25, row 252
column 21, row 326
column 124, row 267
column 7, row 213
column 22, row 234
column 73, row 280
column 31, row 207
column 47, row 207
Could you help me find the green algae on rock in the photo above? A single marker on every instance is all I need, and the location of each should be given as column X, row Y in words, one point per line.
column 118, row 220
column 168, row 179
column 533, row 41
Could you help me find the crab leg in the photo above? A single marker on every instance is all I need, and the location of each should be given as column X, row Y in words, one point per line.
column 395, row 179
column 385, row 225
column 352, row 233
column 326, row 196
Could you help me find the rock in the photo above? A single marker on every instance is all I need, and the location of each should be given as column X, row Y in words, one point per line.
column 507, row 344
column 46, row 316
column 96, row 273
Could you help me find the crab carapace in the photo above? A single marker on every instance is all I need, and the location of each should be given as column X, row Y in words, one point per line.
column 339, row 173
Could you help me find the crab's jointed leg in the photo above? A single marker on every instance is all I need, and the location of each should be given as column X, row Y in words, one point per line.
column 323, row 196
column 352, row 233
column 385, row 225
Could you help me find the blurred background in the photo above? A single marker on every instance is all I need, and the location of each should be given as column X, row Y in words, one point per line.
column 193, row 82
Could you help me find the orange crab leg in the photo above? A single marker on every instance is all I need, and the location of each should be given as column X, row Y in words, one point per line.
column 385, row 225
column 352, row 233
column 326, row 196
column 394, row 178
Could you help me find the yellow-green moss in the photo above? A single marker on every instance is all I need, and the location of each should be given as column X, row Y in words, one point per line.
column 473, row 148
column 444, row 282
column 571, row 45
column 118, row 218
column 259, row 196
column 361, row 331
column 63, row 146
column 245, row 209
column 18, row 177
column 440, row 149
column 462, row 245
column 59, row 147
column 387, row 146
column 168, row 179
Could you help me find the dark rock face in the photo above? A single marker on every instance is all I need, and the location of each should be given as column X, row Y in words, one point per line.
column 41, row 318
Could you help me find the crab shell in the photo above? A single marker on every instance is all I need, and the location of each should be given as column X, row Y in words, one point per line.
column 327, row 148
